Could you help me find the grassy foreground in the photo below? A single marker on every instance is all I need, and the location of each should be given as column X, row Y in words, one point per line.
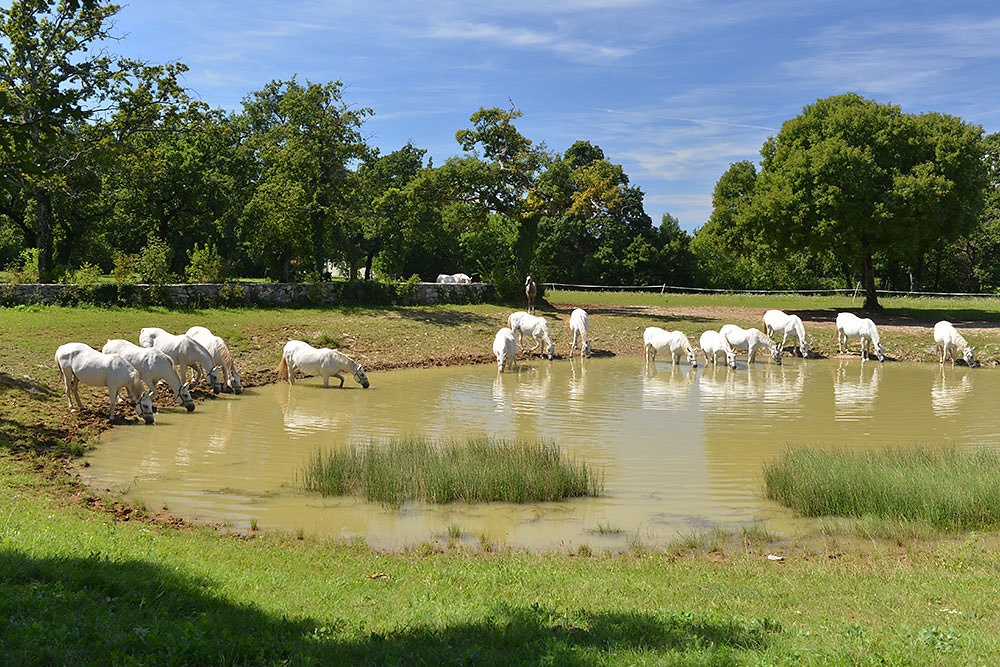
column 81, row 585
column 475, row 470
column 945, row 487
column 78, row 587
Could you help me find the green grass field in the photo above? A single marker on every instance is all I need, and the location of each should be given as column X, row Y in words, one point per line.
column 83, row 580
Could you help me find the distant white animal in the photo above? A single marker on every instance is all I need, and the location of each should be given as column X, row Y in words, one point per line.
column 302, row 356
column 461, row 278
column 186, row 353
column 713, row 342
column 947, row 339
column 153, row 366
column 530, row 291
column 81, row 363
column 221, row 357
column 656, row 340
column 750, row 340
column 504, row 349
column 446, row 278
column 579, row 324
column 851, row 326
column 534, row 326
column 776, row 321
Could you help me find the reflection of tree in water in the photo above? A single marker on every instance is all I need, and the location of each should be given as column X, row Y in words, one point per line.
column 949, row 390
column 667, row 390
column 855, row 387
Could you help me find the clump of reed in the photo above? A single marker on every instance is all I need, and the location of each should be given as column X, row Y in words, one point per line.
column 945, row 487
column 479, row 469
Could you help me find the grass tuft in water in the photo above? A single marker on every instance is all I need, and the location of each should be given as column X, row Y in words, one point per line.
column 475, row 470
column 944, row 487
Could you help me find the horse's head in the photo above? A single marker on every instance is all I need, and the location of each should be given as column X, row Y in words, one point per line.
column 214, row 379
column 550, row 350
column 693, row 357
column 731, row 358
column 184, row 397
column 776, row 353
column 236, row 382
column 880, row 351
column 586, row 348
column 501, row 360
column 144, row 407
column 361, row 378
column 970, row 357
column 804, row 348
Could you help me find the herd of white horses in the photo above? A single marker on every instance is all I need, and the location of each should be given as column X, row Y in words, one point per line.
column 727, row 341
column 164, row 357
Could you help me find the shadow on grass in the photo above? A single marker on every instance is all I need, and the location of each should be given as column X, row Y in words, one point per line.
column 94, row 610
column 444, row 317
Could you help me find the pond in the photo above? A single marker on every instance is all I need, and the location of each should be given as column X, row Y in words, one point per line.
column 680, row 448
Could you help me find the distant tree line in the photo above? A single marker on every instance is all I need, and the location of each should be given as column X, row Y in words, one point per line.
column 108, row 166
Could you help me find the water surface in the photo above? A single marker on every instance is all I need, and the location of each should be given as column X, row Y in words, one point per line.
column 680, row 448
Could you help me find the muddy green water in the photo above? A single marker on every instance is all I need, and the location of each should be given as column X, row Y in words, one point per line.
column 681, row 449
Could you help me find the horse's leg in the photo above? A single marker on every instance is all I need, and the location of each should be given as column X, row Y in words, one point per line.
column 113, row 395
column 326, row 380
column 291, row 371
column 339, row 377
column 76, row 391
column 537, row 343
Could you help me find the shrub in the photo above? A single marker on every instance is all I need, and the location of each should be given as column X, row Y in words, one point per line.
column 153, row 263
column 123, row 272
column 27, row 271
column 206, row 265
column 86, row 276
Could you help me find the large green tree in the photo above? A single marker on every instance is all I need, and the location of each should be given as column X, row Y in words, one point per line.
column 856, row 178
column 53, row 76
column 302, row 140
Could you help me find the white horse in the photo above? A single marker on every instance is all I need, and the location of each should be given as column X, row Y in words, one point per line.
column 850, row 326
column 318, row 361
column 461, row 278
column 185, row 352
column 537, row 327
column 779, row 321
column 504, row 349
column 750, row 340
column 221, row 357
column 713, row 342
column 947, row 339
column 81, row 363
column 656, row 340
column 579, row 324
column 530, row 290
column 153, row 365
column 446, row 278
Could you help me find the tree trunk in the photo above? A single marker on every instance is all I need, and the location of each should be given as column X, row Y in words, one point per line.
column 914, row 280
column 368, row 266
column 871, row 298
column 285, row 262
column 43, row 232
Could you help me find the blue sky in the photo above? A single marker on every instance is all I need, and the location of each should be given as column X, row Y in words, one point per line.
column 674, row 91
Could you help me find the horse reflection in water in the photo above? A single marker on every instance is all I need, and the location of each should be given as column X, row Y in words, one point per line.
column 578, row 385
column 855, row 390
column 303, row 412
column 778, row 389
column 949, row 390
column 667, row 389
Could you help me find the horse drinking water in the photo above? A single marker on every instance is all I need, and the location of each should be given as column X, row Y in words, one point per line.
column 537, row 327
column 947, row 339
column 776, row 321
column 153, row 366
column 656, row 340
column 850, row 326
column 318, row 361
column 81, row 363
column 579, row 324
column 713, row 342
column 750, row 340
column 221, row 357
column 504, row 349
column 185, row 352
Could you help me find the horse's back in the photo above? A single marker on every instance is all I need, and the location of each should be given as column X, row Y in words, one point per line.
column 579, row 320
column 944, row 332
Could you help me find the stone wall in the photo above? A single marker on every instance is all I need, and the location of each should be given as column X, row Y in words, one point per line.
column 250, row 294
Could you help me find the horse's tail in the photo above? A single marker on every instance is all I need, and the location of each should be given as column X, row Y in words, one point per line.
column 282, row 368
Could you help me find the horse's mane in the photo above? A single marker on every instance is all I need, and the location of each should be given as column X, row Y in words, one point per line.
column 960, row 339
column 227, row 359
column 340, row 356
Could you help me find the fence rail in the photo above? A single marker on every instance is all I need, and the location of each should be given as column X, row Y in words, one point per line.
column 664, row 288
